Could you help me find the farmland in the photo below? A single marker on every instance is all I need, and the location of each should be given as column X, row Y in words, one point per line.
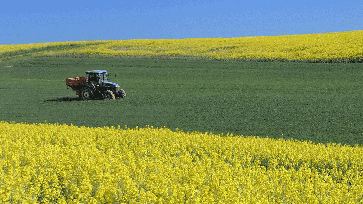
column 327, row 47
column 305, row 118
column 63, row 164
column 317, row 102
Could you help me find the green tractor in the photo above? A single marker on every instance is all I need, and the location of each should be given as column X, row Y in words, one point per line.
column 95, row 86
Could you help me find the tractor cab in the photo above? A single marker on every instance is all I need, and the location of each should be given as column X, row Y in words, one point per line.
column 96, row 76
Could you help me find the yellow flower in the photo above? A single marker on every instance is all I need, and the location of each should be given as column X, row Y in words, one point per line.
column 65, row 164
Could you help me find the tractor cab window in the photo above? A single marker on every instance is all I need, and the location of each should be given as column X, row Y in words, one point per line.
column 93, row 78
column 105, row 78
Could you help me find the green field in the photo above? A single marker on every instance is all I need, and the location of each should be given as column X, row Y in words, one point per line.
column 305, row 101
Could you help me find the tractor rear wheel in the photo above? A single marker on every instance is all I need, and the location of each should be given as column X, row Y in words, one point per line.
column 109, row 95
column 85, row 95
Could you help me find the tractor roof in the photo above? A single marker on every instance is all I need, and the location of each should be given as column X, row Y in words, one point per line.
column 96, row 71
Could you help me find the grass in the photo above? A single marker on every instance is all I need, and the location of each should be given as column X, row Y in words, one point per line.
column 304, row 101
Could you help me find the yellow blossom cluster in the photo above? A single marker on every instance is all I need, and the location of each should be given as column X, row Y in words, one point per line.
column 69, row 164
column 341, row 46
column 333, row 46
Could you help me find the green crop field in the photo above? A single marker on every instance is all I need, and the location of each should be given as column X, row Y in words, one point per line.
column 304, row 101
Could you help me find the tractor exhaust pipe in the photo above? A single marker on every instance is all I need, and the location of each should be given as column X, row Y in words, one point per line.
column 109, row 74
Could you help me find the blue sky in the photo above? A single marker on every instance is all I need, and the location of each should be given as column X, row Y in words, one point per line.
column 38, row 21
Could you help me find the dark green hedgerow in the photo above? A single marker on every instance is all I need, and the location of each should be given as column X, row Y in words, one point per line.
column 21, row 53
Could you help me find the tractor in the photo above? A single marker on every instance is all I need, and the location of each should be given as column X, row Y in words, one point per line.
column 95, row 86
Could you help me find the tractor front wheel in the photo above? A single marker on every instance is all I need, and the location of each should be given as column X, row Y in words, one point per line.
column 121, row 93
column 109, row 95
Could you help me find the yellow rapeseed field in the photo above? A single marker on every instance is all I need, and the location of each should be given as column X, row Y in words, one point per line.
column 341, row 46
column 69, row 164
